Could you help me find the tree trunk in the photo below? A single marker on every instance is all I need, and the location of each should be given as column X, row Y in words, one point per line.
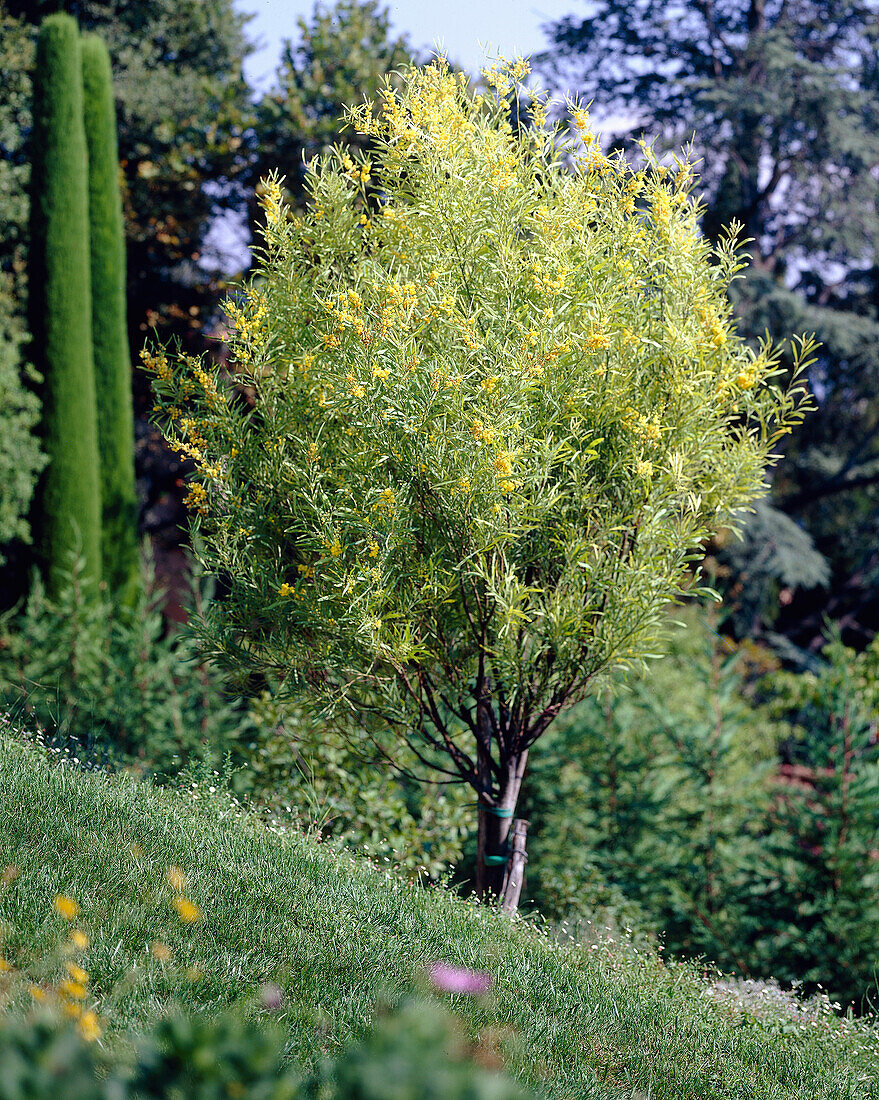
column 515, row 867
column 495, row 819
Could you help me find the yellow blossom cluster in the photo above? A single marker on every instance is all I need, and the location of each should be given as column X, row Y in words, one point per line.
column 550, row 284
column 387, row 501
column 157, row 365
column 481, row 433
column 504, row 75
column 645, row 428
column 271, row 199
column 249, row 317
column 196, row 498
column 598, row 339
column 360, row 173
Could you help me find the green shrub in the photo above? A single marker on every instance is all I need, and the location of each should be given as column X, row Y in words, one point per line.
column 42, row 1058
column 815, row 915
column 335, row 774
column 413, row 1053
column 107, row 683
column 484, row 427
column 690, row 826
column 20, row 458
column 69, row 511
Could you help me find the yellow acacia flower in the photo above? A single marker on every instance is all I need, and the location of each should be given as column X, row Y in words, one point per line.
column 77, row 973
column 75, row 990
column 745, row 380
column 67, row 907
column 598, row 340
column 176, row 878
column 502, row 463
column 187, row 911
column 89, row 1027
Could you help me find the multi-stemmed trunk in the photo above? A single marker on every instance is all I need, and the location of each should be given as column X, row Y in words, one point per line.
column 497, row 806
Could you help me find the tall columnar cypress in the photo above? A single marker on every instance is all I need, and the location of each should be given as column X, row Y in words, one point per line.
column 120, row 553
column 68, row 516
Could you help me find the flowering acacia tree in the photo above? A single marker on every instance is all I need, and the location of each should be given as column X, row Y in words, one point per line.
column 481, row 431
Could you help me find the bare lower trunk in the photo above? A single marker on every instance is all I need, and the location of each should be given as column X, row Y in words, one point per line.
column 515, row 875
column 495, row 819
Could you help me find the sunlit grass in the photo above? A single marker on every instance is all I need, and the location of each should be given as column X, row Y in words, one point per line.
column 336, row 934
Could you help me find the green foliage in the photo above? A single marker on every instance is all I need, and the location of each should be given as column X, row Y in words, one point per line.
column 20, row 458
column 91, row 675
column 116, row 687
column 344, row 54
column 69, row 517
column 43, row 1058
column 687, row 827
column 204, row 1059
column 412, row 1053
column 336, row 775
column 485, row 426
column 120, row 550
column 820, row 911
column 16, row 66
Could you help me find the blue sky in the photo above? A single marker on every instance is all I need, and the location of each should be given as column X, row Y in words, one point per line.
column 510, row 27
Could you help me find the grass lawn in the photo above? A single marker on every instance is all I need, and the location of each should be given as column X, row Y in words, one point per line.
column 338, row 935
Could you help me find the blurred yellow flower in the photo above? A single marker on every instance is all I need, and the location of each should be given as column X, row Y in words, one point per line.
column 186, row 910
column 176, row 878
column 89, row 1027
column 77, row 973
column 67, row 907
column 75, row 990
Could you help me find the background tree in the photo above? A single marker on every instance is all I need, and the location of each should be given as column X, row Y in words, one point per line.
column 183, row 114
column 783, row 100
column 68, row 513
column 485, row 428
column 182, row 107
column 20, row 456
column 120, row 548
column 344, row 54
column 21, row 459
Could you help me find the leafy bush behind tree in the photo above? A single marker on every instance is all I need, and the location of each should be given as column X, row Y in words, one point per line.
column 738, row 822
column 117, row 687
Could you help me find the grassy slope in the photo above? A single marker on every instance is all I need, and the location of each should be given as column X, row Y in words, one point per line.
column 337, row 934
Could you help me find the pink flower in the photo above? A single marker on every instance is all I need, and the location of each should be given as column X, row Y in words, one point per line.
column 271, row 996
column 456, row 979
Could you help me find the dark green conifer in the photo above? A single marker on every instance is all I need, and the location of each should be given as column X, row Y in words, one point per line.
column 120, row 553
column 68, row 518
